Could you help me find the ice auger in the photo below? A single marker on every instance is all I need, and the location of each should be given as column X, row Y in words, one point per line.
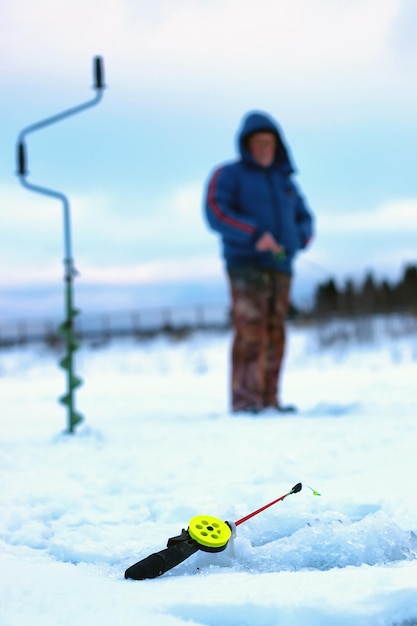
column 204, row 532
column 67, row 327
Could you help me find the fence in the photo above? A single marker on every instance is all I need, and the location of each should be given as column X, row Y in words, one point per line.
column 100, row 327
column 180, row 321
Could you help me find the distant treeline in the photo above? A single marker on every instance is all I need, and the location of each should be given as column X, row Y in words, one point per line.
column 371, row 296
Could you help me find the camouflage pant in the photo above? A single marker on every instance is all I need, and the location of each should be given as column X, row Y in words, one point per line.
column 260, row 300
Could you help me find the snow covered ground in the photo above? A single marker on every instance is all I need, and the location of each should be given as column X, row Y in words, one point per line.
column 158, row 447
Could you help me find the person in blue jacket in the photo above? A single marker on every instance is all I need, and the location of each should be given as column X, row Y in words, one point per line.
column 263, row 221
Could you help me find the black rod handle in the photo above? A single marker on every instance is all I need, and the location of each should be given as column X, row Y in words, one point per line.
column 98, row 73
column 158, row 563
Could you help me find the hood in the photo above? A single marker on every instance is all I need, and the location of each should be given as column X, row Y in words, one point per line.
column 254, row 122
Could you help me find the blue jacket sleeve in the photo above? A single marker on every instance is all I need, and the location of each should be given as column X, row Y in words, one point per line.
column 304, row 222
column 221, row 212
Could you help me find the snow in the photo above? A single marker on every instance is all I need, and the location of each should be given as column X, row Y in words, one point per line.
column 158, row 446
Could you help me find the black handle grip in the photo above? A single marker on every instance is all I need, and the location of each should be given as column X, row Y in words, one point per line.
column 158, row 563
column 21, row 159
column 98, row 73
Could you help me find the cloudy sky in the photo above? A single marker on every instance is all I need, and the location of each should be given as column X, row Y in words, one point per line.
column 338, row 75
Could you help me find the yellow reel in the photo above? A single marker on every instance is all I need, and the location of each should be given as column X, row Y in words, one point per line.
column 211, row 534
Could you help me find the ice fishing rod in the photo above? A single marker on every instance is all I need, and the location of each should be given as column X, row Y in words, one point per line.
column 204, row 532
column 295, row 489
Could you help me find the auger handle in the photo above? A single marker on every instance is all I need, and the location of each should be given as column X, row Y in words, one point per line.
column 98, row 73
column 21, row 159
column 158, row 563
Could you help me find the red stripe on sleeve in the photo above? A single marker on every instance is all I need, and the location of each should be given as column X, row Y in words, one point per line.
column 218, row 211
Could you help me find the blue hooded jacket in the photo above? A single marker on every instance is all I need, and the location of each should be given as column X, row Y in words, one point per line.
column 245, row 200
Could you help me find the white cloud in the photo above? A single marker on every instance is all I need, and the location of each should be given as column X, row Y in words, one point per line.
column 394, row 216
column 224, row 32
column 186, row 198
column 157, row 271
column 22, row 210
column 175, row 212
column 168, row 223
column 194, row 47
column 153, row 272
column 397, row 215
column 381, row 240
column 31, row 274
column 170, row 243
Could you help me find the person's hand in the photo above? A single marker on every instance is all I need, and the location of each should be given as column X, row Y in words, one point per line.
column 267, row 243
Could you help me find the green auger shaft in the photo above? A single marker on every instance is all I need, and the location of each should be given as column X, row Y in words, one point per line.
column 67, row 363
